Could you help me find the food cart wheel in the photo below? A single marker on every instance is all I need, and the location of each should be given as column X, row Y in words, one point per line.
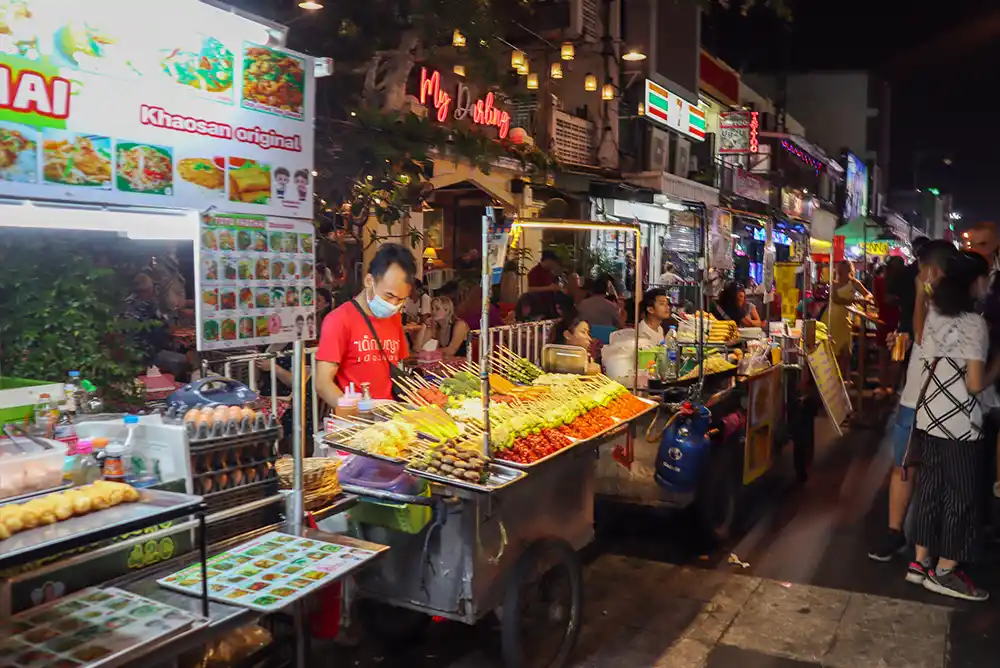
column 389, row 624
column 542, row 606
column 715, row 501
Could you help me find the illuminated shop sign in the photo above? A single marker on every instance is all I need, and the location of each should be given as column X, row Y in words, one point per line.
column 481, row 112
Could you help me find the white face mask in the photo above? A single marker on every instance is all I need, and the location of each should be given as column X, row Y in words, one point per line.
column 380, row 308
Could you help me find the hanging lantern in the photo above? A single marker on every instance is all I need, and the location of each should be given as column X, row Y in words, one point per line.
column 523, row 68
column 590, row 82
column 459, row 70
column 642, row 109
column 457, row 38
column 555, row 70
column 517, row 59
column 608, row 91
column 567, row 51
column 532, row 82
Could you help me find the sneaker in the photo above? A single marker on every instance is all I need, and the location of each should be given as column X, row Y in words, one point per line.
column 916, row 572
column 954, row 583
column 892, row 544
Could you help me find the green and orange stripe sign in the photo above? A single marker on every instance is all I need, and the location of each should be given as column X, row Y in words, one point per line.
column 675, row 112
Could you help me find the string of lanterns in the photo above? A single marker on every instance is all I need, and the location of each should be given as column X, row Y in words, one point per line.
column 567, row 51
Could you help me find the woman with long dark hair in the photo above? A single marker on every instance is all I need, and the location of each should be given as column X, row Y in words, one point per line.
column 732, row 305
column 949, row 430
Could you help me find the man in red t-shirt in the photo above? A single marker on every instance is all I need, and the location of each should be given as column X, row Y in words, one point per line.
column 543, row 283
column 348, row 353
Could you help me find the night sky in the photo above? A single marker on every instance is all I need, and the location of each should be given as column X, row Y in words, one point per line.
column 941, row 64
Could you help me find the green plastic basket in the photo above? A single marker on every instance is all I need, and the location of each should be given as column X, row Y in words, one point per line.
column 403, row 517
column 19, row 395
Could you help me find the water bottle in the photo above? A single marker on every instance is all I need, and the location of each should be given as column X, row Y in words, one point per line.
column 129, row 457
column 670, row 343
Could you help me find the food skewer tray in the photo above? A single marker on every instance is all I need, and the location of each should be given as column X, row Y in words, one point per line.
column 500, row 477
column 577, row 442
column 354, row 450
column 153, row 507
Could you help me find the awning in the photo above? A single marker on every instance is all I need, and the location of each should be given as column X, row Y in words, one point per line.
column 810, row 148
column 861, row 229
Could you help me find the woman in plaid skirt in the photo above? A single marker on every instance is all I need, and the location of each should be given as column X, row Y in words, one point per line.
column 949, row 434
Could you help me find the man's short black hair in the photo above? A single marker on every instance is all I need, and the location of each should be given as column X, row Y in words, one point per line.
column 299, row 319
column 392, row 254
column 649, row 300
column 918, row 243
column 936, row 252
column 549, row 255
column 281, row 170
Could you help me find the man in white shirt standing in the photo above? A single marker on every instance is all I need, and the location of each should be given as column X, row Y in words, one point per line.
column 932, row 257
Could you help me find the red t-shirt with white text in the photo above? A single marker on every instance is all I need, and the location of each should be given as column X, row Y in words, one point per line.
column 347, row 340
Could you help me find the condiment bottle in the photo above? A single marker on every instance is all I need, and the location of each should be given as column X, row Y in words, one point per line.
column 365, row 404
column 347, row 406
column 99, row 444
column 114, row 464
column 86, row 469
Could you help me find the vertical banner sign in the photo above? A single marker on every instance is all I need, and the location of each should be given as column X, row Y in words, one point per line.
column 839, row 243
column 784, row 279
column 767, row 280
column 255, row 281
column 721, row 240
column 829, row 382
column 499, row 233
column 765, row 399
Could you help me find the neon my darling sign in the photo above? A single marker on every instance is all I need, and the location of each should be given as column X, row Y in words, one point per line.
column 482, row 111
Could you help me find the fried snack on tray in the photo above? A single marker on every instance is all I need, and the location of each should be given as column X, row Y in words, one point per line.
column 57, row 507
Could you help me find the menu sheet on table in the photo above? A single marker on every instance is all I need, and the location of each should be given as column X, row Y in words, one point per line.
column 270, row 572
column 87, row 628
column 255, row 281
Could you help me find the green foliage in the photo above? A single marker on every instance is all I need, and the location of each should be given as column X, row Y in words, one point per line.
column 586, row 261
column 61, row 311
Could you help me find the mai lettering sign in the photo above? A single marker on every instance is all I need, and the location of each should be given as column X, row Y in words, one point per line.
column 481, row 112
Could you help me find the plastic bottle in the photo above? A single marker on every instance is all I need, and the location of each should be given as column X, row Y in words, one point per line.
column 44, row 410
column 134, row 463
column 99, row 444
column 347, row 404
column 366, row 404
column 86, row 470
column 74, row 393
column 72, row 459
column 670, row 343
column 114, row 463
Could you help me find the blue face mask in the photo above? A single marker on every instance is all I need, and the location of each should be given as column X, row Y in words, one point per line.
column 380, row 308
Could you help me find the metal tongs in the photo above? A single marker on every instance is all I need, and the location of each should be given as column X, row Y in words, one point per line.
column 16, row 428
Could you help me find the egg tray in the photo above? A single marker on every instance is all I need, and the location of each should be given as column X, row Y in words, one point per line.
column 214, row 481
column 269, row 435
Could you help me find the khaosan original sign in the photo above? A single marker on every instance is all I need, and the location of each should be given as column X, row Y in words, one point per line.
column 738, row 132
column 152, row 104
column 673, row 111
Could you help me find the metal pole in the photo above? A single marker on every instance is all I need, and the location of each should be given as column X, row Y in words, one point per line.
column 636, row 299
column 484, row 330
column 704, row 261
column 298, row 389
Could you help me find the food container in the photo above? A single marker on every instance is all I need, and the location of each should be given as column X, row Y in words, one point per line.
column 564, row 359
column 365, row 472
column 26, row 466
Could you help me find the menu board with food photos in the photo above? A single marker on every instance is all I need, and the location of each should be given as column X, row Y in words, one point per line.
column 89, row 628
column 272, row 571
column 255, row 282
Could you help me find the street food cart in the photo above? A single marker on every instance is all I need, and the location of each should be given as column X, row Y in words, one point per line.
column 508, row 543
column 715, row 434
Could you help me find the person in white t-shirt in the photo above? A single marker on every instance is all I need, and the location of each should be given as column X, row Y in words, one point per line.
column 949, row 426
column 655, row 315
column 932, row 258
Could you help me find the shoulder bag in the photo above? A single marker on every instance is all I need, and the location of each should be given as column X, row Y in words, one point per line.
column 395, row 372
